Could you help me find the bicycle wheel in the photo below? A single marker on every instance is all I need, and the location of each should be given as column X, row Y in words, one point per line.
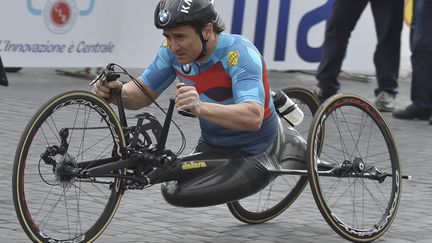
column 355, row 178
column 284, row 190
column 51, row 202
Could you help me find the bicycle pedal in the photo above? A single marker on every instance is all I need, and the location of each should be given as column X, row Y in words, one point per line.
column 135, row 186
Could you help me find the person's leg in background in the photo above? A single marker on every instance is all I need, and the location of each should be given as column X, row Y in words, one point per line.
column 3, row 78
column 343, row 19
column 388, row 17
column 421, row 61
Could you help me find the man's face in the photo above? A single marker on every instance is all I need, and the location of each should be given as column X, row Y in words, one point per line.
column 184, row 43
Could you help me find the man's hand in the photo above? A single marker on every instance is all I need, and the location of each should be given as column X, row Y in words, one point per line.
column 103, row 89
column 187, row 99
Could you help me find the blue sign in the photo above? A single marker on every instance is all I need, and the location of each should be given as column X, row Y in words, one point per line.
column 309, row 20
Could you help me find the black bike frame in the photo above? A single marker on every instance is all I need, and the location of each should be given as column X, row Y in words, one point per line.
column 168, row 167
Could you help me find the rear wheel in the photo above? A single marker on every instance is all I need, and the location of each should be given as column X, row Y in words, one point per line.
column 278, row 195
column 354, row 168
column 51, row 201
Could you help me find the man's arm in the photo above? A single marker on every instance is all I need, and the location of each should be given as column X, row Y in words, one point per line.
column 247, row 116
column 133, row 97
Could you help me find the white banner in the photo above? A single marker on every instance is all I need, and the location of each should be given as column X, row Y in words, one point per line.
column 59, row 32
column 91, row 33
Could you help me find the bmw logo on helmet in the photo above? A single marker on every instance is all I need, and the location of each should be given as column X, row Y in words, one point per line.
column 164, row 17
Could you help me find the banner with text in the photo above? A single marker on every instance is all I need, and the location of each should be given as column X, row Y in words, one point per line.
column 91, row 33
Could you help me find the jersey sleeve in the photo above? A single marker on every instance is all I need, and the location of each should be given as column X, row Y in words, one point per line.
column 160, row 74
column 245, row 67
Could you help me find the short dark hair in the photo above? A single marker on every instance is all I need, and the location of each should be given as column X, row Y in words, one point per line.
column 218, row 25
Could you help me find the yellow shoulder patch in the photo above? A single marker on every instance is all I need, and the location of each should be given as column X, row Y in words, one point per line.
column 165, row 43
column 409, row 12
column 233, row 57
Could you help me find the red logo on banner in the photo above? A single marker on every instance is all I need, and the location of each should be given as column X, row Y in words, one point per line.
column 60, row 13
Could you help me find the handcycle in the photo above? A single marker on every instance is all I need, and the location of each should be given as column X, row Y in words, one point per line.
column 77, row 157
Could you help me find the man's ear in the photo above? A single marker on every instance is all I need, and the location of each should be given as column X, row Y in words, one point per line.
column 207, row 31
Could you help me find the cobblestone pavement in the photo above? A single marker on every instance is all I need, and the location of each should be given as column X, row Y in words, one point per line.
column 144, row 216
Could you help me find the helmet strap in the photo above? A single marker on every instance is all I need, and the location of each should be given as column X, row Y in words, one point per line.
column 204, row 46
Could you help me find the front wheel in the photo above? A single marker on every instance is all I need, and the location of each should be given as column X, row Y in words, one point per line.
column 284, row 190
column 52, row 202
column 353, row 168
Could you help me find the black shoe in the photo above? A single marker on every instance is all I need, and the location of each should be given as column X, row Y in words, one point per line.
column 412, row 113
column 321, row 94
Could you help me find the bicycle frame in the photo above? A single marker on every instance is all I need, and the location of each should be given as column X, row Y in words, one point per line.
column 164, row 166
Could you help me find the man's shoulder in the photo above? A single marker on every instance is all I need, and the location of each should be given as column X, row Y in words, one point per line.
column 164, row 54
column 230, row 41
column 235, row 49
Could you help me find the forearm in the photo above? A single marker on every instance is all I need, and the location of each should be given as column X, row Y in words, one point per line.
column 241, row 117
column 133, row 98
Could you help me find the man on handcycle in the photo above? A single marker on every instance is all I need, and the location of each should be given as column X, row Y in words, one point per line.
column 222, row 78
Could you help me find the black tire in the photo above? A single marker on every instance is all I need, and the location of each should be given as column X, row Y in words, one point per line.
column 357, row 145
column 51, row 203
column 284, row 190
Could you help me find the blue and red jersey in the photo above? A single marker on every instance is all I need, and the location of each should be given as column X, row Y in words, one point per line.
column 234, row 73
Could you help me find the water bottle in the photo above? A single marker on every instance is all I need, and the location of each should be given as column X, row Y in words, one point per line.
column 286, row 108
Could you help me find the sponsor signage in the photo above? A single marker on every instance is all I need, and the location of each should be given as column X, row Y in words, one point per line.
column 91, row 33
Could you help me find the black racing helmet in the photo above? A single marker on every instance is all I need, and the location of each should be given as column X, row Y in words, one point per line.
column 174, row 13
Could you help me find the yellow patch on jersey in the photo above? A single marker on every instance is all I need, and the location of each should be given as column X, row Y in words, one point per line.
column 233, row 57
column 165, row 43
column 408, row 12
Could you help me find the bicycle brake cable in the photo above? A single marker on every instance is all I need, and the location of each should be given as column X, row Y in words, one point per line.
column 144, row 91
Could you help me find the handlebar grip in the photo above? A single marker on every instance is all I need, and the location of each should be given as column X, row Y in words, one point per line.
column 111, row 76
column 186, row 113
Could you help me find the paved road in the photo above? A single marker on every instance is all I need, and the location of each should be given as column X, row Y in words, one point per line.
column 145, row 217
